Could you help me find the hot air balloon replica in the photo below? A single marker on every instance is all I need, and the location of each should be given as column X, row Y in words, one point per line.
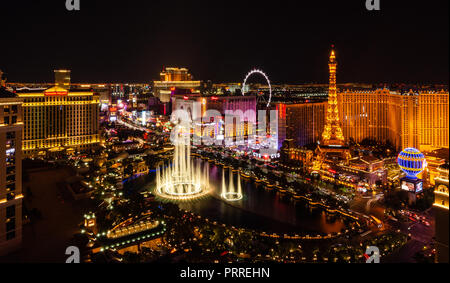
column 412, row 162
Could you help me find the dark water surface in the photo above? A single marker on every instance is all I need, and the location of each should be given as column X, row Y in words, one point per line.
column 261, row 209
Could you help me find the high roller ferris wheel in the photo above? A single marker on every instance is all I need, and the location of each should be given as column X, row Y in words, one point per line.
column 261, row 98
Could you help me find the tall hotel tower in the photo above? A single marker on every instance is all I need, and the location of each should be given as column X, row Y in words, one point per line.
column 59, row 118
column 416, row 119
column 332, row 145
column 11, row 127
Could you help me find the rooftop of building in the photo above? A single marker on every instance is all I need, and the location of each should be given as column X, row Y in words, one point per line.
column 398, row 91
column 41, row 90
column 439, row 153
column 301, row 102
column 370, row 159
column 357, row 161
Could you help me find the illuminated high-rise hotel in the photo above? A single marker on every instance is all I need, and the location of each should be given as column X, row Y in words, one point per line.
column 11, row 127
column 173, row 79
column 59, row 119
column 372, row 114
column 433, row 120
column 62, row 78
column 171, row 74
column 303, row 123
column 2, row 81
column 418, row 120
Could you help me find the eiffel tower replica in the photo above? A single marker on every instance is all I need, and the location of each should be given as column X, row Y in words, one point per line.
column 332, row 147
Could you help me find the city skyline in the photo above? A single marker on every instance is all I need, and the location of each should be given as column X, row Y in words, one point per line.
column 240, row 132
column 109, row 42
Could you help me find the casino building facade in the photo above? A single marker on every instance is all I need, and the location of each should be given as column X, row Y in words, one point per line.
column 301, row 122
column 414, row 119
column 58, row 119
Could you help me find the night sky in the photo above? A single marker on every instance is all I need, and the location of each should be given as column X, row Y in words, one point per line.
column 131, row 41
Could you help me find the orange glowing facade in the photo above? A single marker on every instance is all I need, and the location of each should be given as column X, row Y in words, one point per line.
column 419, row 120
column 175, row 74
column 433, row 120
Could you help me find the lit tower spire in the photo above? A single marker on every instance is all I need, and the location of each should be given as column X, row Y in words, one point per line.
column 332, row 133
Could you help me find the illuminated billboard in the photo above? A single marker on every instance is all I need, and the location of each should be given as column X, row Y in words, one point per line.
column 413, row 186
column 407, row 186
column 419, row 187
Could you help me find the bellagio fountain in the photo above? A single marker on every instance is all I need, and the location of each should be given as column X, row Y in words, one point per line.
column 184, row 178
column 229, row 191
